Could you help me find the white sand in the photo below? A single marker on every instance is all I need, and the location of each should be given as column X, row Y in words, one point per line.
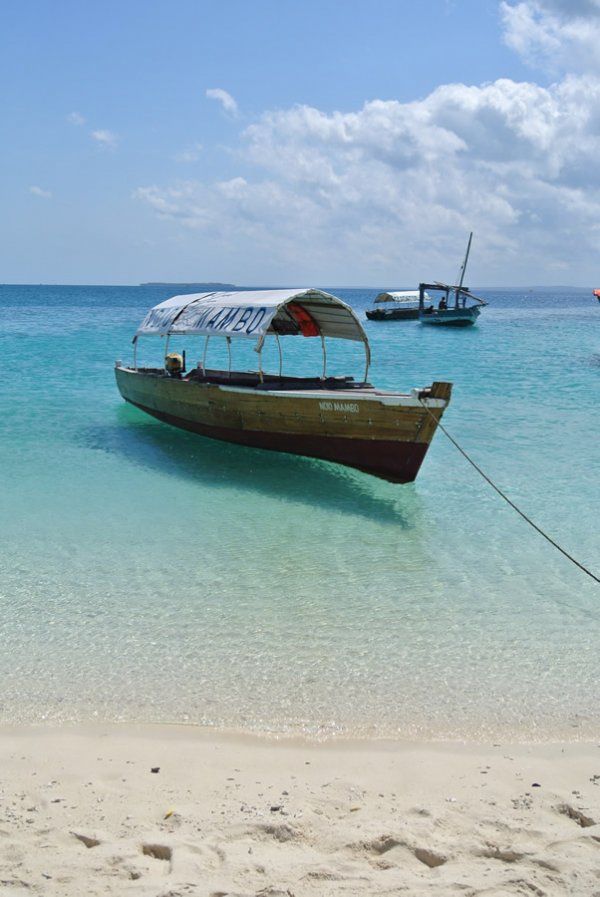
column 82, row 813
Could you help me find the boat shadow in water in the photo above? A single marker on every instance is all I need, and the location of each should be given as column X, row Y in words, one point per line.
column 157, row 446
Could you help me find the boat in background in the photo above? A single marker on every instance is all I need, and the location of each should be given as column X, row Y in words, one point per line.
column 383, row 433
column 399, row 305
column 452, row 309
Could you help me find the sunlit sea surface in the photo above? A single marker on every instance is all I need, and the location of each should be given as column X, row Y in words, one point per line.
column 147, row 574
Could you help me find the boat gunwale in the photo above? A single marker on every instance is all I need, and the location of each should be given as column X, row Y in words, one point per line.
column 360, row 392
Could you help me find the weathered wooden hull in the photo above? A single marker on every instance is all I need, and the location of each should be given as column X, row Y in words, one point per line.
column 383, row 434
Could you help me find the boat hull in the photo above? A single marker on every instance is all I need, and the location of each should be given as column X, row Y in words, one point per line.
column 383, row 434
column 392, row 314
column 451, row 317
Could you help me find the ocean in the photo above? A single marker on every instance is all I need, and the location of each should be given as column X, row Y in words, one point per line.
column 147, row 574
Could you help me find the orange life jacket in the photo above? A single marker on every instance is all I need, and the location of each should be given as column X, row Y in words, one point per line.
column 307, row 324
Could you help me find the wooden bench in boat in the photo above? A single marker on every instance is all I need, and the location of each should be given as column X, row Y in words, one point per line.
column 252, row 379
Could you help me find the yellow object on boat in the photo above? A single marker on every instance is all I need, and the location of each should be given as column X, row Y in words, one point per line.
column 174, row 363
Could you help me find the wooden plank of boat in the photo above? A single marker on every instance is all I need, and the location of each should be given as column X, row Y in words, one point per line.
column 383, row 433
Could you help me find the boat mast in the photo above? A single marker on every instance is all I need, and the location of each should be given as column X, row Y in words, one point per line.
column 463, row 269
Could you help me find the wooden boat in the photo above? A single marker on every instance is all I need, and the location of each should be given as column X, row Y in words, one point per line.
column 400, row 305
column 458, row 314
column 452, row 309
column 337, row 419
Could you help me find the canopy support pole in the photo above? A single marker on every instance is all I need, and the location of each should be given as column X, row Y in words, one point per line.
column 324, row 357
column 228, row 338
column 204, row 356
column 368, row 361
column 280, row 355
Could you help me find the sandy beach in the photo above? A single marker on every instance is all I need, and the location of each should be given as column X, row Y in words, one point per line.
column 180, row 812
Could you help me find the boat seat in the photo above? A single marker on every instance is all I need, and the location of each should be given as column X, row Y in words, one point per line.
column 270, row 381
column 295, row 383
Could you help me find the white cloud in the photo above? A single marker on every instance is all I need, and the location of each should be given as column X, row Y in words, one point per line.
column 560, row 35
column 393, row 189
column 236, row 188
column 105, row 138
column 227, row 101
column 183, row 203
column 76, row 119
column 191, row 154
column 39, row 191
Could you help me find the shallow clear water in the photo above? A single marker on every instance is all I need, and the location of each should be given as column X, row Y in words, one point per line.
column 150, row 574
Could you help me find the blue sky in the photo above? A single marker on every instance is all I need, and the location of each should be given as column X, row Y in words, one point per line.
column 300, row 143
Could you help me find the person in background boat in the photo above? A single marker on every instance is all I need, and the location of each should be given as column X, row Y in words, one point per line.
column 443, row 303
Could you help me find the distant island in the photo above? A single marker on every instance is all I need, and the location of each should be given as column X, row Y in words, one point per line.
column 206, row 287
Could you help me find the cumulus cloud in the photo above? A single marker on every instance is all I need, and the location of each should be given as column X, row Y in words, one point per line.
column 392, row 189
column 378, row 187
column 105, row 138
column 226, row 100
column 76, row 119
column 560, row 35
column 39, row 191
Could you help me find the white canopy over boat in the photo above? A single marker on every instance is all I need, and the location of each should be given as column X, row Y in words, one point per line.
column 399, row 296
column 251, row 314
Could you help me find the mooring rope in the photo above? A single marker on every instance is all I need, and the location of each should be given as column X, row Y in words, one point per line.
column 507, row 499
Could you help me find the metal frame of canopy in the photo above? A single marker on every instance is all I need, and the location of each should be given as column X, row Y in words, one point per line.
column 254, row 314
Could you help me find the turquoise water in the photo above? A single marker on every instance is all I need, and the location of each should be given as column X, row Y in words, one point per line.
column 149, row 574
